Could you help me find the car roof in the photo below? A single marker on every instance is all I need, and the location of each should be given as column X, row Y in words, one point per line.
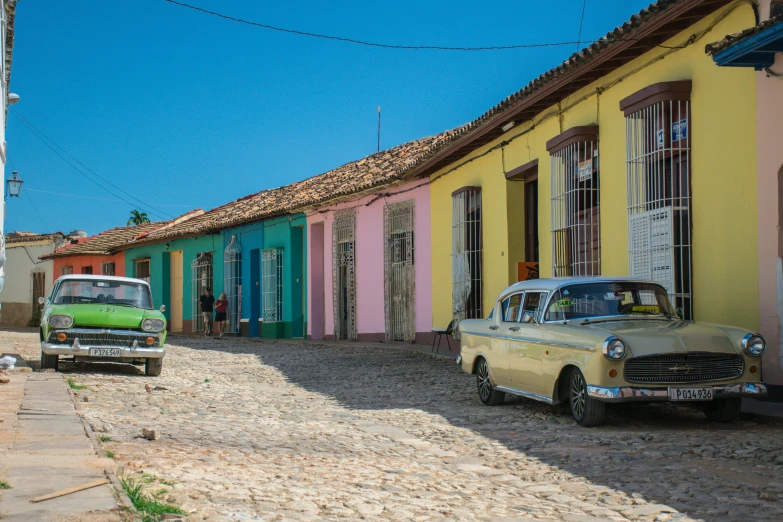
column 88, row 277
column 550, row 284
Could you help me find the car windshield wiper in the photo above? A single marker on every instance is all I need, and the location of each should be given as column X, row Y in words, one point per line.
column 622, row 317
column 120, row 303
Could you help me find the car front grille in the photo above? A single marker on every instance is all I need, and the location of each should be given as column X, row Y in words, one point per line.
column 683, row 367
column 103, row 338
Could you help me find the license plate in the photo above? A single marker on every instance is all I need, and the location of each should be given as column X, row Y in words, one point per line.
column 105, row 352
column 690, row 394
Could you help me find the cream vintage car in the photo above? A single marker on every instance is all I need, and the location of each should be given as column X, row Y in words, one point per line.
column 592, row 341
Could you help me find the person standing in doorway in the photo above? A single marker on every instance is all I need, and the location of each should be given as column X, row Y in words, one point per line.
column 221, row 311
column 207, row 302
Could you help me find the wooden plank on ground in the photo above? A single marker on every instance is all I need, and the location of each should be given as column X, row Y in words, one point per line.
column 63, row 492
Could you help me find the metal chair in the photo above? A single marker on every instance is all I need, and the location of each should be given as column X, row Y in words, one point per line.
column 439, row 333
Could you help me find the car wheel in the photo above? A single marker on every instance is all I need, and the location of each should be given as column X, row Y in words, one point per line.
column 723, row 410
column 487, row 393
column 49, row 361
column 153, row 367
column 586, row 410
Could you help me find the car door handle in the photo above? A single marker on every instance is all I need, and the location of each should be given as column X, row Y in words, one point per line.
column 494, row 327
column 514, row 328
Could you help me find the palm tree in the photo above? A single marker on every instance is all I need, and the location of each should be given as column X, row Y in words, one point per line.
column 138, row 218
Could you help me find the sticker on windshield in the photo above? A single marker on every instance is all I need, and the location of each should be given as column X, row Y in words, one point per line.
column 645, row 309
column 614, row 296
column 562, row 303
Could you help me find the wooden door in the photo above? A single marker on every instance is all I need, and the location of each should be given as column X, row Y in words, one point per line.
column 175, row 310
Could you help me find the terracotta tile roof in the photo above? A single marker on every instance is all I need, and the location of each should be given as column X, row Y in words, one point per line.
column 109, row 241
column 371, row 172
column 15, row 238
column 733, row 38
column 651, row 26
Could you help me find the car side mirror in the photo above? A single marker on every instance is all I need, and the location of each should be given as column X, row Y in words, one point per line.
column 680, row 313
column 42, row 300
column 162, row 308
column 529, row 317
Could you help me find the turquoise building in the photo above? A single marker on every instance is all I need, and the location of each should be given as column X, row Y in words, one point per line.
column 266, row 275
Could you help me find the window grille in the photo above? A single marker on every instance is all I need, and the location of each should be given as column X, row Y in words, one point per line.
column 142, row 269
column 232, row 269
column 466, row 259
column 66, row 270
column 659, row 198
column 399, row 271
column 344, row 274
column 576, row 208
column 201, row 272
column 107, row 269
column 272, row 285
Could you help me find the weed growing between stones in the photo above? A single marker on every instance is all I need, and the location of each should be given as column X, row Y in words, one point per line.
column 148, row 507
column 75, row 386
column 105, row 438
column 110, row 454
column 4, row 485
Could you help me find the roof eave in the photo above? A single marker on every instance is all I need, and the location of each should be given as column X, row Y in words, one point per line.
column 756, row 51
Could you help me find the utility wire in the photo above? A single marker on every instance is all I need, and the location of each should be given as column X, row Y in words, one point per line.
column 370, row 44
column 46, row 228
column 62, row 153
column 578, row 42
column 98, row 199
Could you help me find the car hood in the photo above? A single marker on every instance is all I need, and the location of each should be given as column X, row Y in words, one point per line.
column 646, row 337
column 106, row 316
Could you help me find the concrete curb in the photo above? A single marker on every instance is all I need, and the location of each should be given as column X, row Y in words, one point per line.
column 119, row 492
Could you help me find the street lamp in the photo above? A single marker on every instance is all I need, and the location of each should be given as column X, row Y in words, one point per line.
column 13, row 185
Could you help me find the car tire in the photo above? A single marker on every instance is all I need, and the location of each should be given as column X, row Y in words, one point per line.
column 723, row 410
column 49, row 361
column 487, row 393
column 586, row 410
column 153, row 367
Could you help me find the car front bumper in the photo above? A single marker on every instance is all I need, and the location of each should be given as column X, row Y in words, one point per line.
column 83, row 350
column 636, row 394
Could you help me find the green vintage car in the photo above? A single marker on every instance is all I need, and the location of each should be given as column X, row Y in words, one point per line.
column 102, row 318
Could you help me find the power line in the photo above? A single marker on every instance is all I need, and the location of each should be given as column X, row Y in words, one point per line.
column 36, row 210
column 40, row 135
column 578, row 42
column 99, row 199
column 362, row 42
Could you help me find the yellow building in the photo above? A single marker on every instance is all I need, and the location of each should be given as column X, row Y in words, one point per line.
column 637, row 156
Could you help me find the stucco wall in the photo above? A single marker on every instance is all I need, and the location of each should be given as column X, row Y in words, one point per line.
column 723, row 159
column 16, row 298
column 769, row 131
column 96, row 262
column 370, row 312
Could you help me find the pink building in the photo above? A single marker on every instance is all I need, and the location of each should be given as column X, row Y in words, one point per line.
column 761, row 47
column 369, row 267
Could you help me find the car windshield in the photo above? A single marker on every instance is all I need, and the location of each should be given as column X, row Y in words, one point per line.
column 121, row 293
column 586, row 300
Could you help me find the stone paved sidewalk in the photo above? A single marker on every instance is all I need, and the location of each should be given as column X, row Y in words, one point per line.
column 45, row 449
column 302, row 431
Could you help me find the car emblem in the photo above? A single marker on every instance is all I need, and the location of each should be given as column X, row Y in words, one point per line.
column 615, row 287
column 684, row 368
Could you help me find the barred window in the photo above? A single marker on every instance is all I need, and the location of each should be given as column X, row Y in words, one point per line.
column 657, row 122
column 66, row 270
column 466, row 259
column 576, row 204
column 107, row 269
column 142, row 269
column 272, row 285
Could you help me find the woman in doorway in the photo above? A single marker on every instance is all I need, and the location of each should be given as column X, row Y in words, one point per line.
column 221, row 311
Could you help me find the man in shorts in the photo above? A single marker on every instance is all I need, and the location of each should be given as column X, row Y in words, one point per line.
column 207, row 302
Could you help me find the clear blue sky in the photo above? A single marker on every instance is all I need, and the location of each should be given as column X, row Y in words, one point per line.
column 184, row 110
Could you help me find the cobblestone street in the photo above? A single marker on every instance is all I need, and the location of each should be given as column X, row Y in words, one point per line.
column 273, row 431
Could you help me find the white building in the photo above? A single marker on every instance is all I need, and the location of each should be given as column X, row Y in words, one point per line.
column 7, row 12
column 29, row 277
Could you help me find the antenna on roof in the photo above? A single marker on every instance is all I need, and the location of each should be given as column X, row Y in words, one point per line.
column 379, row 128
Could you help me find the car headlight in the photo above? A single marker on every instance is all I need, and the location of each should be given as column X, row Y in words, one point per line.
column 152, row 325
column 60, row 321
column 614, row 349
column 754, row 345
